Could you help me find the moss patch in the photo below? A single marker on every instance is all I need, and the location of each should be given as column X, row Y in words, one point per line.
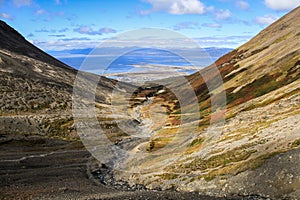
column 257, row 88
column 296, row 143
column 196, row 142
column 215, row 161
column 168, row 176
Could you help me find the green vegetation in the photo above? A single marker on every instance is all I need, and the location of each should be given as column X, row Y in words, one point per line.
column 197, row 142
column 61, row 127
column 102, row 119
column 296, row 143
column 209, row 177
column 168, row 176
column 151, row 145
column 271, row 100
column 231, row 162
column 239, row 167
column 159, row 143
column 259, row 50
column 257, row 88
column 220, row 160
column 282, row 38
column 112, row 130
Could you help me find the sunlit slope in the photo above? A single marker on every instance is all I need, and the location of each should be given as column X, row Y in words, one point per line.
column 261, row 81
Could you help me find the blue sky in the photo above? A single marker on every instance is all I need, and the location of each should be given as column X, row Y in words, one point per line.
column 75, row 24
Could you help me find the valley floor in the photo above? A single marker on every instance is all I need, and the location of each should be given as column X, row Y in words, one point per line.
column 39, row 168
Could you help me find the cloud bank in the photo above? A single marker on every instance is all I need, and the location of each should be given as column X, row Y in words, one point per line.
column 266, row 19
column 242, row 5
column 89, row 31
column 186, row 25
column 6, row 16
column 20, row 3
column 177, row 7
column 282, row 5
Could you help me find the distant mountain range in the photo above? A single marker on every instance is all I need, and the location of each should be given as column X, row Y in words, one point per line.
column 75, row 57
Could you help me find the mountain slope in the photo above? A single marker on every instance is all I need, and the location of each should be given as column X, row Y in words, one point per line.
column 267, row 62
column 261, row 80
column 13, row 41
column 36, row 89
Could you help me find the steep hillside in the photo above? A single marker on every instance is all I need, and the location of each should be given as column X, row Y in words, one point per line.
column 261, row 112
column 13, row 41
column 36, row 89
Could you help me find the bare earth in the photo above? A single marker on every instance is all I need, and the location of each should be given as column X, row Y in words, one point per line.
column 38, row 168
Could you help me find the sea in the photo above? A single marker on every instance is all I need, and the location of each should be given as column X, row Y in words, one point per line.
column 140, row 60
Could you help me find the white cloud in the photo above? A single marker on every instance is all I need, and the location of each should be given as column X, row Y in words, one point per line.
column 282, row 5
column 57, row 35
column 6, row 16
column 89, row 31
column 60, row 2
column 266, row 19
column 62, row 44
column 177, row 7
column 20, row 3
column 47, row 15
column 222, row 14
column 242, row 4
column 155, row 42
column 212, row 25
column 41, row 12
column 210, row 9
column 107, row 30
column 186, row 25
column 45, row 31
column 84, row 30
column 223, row 41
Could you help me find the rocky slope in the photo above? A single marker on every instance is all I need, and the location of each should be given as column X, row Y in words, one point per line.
column 233, row 147
column 36, row 89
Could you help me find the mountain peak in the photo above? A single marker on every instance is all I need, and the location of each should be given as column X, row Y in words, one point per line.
column 13, row 41
column 6, row 30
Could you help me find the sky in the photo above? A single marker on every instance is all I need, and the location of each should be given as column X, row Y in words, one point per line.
column 78, row 24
